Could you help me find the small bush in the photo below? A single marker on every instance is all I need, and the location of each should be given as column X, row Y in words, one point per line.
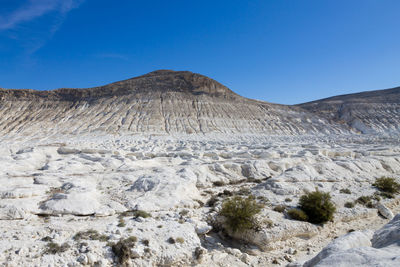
column 184, row 212
column 146, row 242
column 268, row 223
column 318, row 206
column 376, row 196
column 226, row 193
column 240, row 212
column 54, row 248
column 171, row 240
column 386, row 195
column 349, row 205
column 46, row 239
column 365, row 200
column 279, row 208
column 141, row 213
column 121, row 223
column 345, row 191
column 218, row 183
column 387, row 184
column 122, row 249
column 180, row 240
column 243, row 192
column 90, row 235
column 288, row 200
column 298, row 215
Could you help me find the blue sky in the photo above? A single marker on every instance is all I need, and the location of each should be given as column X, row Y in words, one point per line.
column 283, row 51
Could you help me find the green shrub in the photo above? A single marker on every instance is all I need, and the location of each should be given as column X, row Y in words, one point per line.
column 121, row 223
column 46, row 239
column 218, row 183
column 122, row 249
column 90, row 235
column 288, row 199
column 54, row 248
column 386, row 195
column 349, row 205
column 279, row 208
column 318, row 206
column 240, row 212
column 345, row 191
column 244, row 192
column 184, row 212
column 141, row 213
column 387, row 184
column 180, row 240
column 366, row 201
column 298, row 215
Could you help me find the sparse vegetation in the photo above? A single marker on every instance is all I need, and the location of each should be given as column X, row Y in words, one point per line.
column 90, row 235
column 122, row 249
column 279, row 208
column 240, row 212
column 386, row 195
column 387, row 184
column 349, row 205
column 366, row 201
column 226, row 193
column 121, row 223
column 180, row 240
column 267, row 222
column 288, row 200
column 141, row 213
column 345, row 191
column 243, row 192
column 46, row 239
column 54, row 248
column 184, row 212
column 135, row 213
column 218, row 183
column 318, row 206
column 297, row 214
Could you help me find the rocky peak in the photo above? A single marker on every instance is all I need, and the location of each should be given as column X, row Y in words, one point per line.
column 163, row 81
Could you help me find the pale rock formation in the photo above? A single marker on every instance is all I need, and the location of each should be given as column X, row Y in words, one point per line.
column 363, row 249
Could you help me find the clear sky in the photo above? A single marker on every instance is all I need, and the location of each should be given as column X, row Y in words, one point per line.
column 283, row 51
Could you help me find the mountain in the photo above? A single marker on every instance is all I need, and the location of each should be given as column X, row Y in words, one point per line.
column 368, row 112
column 162, row 102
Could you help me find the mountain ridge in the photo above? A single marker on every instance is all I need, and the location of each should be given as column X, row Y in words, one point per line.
column 167, row 102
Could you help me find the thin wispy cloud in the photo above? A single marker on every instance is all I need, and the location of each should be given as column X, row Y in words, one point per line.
column 18, row 21
column 33, row 9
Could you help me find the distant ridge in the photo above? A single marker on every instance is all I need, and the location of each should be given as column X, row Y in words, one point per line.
column 368, row 112
column 161, row 102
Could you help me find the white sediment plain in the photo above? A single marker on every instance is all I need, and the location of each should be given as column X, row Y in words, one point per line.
column 58, row 187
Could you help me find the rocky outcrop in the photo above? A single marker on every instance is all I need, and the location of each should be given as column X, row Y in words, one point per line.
column 363, row 249
column 159, row 102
